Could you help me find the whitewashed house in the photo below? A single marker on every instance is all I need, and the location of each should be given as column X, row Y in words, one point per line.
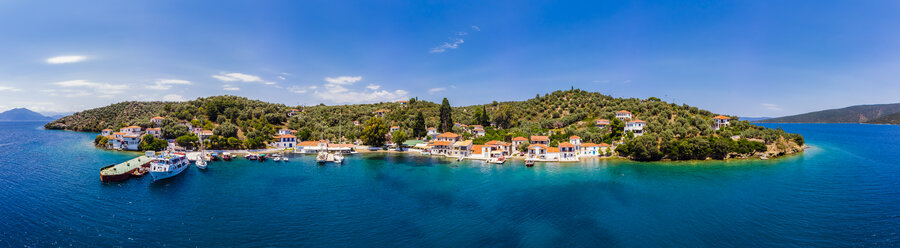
column 432, row 132
column 131, row 130
column 541, row 140
column 478, row 131
column 462, row 148
column 156, row 132
column 575, row 141
column 623, row 115
column 601, row 123
column 106, row 132
column 720, row 121
column 590, row 150
column 285, row 141
column 131, row 142
column 636, row 127
column 567, row 151
column 157, row 120
column 518, row 141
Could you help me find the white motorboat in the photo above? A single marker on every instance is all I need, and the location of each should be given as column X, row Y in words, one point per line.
column 285, row 159
column 201, row 163
column 338, row 158
column 167, row 165
column 498, row 160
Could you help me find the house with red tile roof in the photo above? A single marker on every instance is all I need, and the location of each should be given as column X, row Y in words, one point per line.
column 623, row 115
column 636, row 127
column 720, row 121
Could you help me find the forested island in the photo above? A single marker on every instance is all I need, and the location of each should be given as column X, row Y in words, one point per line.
column 670, row 131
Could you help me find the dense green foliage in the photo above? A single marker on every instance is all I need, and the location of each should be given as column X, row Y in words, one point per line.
column 150, row 143
column 398, row 137
column 374, row 132
column 446, row 116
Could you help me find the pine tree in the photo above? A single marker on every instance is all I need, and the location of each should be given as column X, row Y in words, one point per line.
column 418, row 125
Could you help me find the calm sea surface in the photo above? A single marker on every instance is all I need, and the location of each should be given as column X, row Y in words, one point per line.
column 843, row 192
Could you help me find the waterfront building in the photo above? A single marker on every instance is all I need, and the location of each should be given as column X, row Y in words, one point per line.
column 567, row 151
column 285, row 141
column 131, row 130
column 448, row 136
column 589, row 150
column 462, row 148
column 518, row 141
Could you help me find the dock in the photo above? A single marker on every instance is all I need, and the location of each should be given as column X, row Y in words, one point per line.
column 124, row 170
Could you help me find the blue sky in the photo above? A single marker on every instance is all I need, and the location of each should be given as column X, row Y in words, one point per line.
column 747, row 58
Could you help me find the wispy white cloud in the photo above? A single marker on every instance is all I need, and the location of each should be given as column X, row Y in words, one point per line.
column 772, row 107
column 447, row 45
column 282, row 78
column 104, row 90
column 174, row 98
column 65, row 59
column 299, row 89
column 435, row 90
column 165, row 84
column 8, row 88
column 476, row 28
column 229, row 87
column 335, row 90
column 343, row 80
column 240, row 77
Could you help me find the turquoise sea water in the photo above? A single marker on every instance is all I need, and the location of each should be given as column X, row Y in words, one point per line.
column 844, row 191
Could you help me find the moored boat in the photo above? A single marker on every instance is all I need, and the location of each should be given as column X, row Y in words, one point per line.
column 498, row 160
column 226, row 156
column 107, row 174
column 322, row 157
column 529, row 162
column 168, row 165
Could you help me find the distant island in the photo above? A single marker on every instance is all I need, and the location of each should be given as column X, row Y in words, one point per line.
column 558, row 126
column 870, row 114
column 23, row 114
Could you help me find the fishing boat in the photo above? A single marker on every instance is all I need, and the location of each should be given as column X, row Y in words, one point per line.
column 201, row 163
column 276, row 158
column 285, row 159
column 262, row 157
column 226, row 156
column 251, row 156
column 498, row 160
column 213, row 156
column 167, row 165
column 529, row 162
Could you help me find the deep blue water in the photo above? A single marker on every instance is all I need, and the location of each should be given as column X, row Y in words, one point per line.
column 844, row 191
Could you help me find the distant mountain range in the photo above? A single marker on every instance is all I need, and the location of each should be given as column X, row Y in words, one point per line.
column 872, row 114
column 754, row 119
column 23, row 114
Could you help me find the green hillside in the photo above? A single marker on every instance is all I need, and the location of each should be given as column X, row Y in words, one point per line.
column 560, row 114
column 852, row 114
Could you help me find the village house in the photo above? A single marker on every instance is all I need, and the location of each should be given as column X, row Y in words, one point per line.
column 543, row 140
column 202, row 134
column 440, row 147
column 402, row 102
column 518, row 141
column 131, row 142
column 285, row 131
column 590, row 150
column 356, row 123
column 552, row 154
column 575, row 141
column 537, row 151
column 285, row 141
column 478, row 132
column 395, row 128
column 156, row 132
column 131, row 130
column 106, row 132
column 623, row 115
column 602, row 123
column 567, row 151
column 462, row 148
column 448, row 136
column 604, row 147
column 157, row 120
column 505, row 148
column 636, row 127
column 432, row 132
column 481, row 152
column 381, row 112
column 720, row 121
column 293, row 112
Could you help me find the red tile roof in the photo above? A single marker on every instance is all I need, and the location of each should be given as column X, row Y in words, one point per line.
column 636, row 120
column 553, row 150
column 588, row 145
column 519, row 139
column 538, row 145
column 540, row 138
column 476, row 149
column 574, row 137
column 721, row 117
column 604, row 144
column 448, row 135
column 157, row 118
column 623, row 111
column 566, row 144
column 439, row 143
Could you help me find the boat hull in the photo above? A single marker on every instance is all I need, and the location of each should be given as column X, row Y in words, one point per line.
column 167, row 174
column 117, row 177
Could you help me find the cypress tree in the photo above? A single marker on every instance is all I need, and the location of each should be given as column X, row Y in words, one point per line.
column 446, row 116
